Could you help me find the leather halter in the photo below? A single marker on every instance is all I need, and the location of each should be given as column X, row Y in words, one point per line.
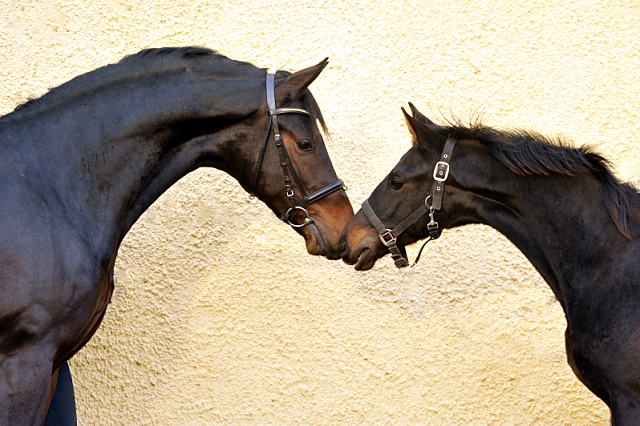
column 285, row 162
column 389, row 236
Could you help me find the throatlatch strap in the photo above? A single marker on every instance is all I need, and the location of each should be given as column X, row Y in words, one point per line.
column 413, row 218
column 256, row 173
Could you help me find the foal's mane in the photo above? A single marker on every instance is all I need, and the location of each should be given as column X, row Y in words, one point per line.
column 527, row 153
column 150, row 62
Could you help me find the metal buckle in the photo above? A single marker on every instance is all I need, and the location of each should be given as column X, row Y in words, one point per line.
column 426, row 201
column 279, row 111
column 388, row 237
column 437, row 174
column 307, row 220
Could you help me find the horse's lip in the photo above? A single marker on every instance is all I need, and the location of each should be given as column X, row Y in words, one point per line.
column 362, row 259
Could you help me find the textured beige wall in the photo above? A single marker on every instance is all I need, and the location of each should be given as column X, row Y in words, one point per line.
column 219, row 317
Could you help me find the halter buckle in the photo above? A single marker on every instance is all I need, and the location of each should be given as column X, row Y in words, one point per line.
column 439, row 174
column 388, row 237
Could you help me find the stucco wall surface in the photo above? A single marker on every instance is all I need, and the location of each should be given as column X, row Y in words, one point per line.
column 219, row 316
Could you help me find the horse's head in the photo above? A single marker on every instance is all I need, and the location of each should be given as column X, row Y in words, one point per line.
column 407, row 205
column 289, row 167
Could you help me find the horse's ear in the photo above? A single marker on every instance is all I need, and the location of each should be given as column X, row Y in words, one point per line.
column 294, row 86
column 418, row 115
column 424, row 137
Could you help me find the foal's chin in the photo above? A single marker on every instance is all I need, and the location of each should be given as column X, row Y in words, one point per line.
column 366, row 259
column 363, row 255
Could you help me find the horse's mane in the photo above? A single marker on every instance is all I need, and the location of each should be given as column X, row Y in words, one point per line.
column 154, row 61
column 528, row 153
column 146, row 62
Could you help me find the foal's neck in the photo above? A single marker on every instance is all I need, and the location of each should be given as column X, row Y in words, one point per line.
column 563, row 227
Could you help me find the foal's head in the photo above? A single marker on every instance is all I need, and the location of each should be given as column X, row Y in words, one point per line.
column 486, row 184
column 400, row 194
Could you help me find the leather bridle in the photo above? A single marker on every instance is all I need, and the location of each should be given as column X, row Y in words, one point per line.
column 389, row 237
column 285, row 162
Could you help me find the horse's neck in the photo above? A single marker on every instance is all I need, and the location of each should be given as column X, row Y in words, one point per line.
column 563, row 227
column 111, row 155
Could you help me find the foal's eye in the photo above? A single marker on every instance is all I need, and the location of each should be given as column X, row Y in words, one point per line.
column 305, row 145
column 396, row 183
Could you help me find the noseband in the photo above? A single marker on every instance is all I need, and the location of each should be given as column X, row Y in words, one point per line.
column 285, row 162
column 389, row 237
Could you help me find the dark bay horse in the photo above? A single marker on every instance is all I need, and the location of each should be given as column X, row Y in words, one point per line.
column 80, row 165
column 561, row 206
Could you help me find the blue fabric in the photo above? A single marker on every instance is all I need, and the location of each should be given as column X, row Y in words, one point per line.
column 62, row 410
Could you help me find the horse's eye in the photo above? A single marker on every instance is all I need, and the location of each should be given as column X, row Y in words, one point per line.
column 305, row 145
column 396, row 183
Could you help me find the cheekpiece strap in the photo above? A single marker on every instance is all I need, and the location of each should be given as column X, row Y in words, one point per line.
column 373, row 217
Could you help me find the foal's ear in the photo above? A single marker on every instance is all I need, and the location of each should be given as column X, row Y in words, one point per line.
column 418, row 115
column 424, row 137
column 294, row 86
